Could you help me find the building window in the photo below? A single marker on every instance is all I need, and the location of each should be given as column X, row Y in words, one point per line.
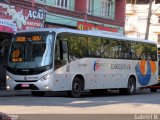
column 106, row 8
column 39, row 0
column 142, row 19
column 89, row 2
column 62, row 3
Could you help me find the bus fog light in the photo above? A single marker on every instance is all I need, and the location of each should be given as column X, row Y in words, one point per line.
column 8, row 87
column 8, row 77
column 46, row 77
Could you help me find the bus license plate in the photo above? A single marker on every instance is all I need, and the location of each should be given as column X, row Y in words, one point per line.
column 24, row 85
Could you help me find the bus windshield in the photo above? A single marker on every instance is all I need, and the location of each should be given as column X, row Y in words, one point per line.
column 159, row 62
column 31, row 50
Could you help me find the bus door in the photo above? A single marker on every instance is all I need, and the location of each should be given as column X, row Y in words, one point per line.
column 61, row 53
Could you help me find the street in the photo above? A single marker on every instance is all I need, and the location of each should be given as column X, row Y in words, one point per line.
column 143, row 102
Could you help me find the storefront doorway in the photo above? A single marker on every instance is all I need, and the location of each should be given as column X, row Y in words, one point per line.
column 5, row 40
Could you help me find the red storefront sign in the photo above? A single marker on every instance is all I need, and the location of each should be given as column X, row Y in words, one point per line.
column 15, row 18
column 89, row 26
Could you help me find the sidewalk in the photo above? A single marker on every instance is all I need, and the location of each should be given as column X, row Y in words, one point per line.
column 5, row 93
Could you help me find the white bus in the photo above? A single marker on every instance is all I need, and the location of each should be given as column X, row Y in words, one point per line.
column 58, row 59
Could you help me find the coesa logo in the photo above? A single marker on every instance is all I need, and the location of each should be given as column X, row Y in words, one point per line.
column 25, row 77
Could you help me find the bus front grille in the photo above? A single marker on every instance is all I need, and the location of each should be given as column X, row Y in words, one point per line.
column 29, row 87
column 26, row 80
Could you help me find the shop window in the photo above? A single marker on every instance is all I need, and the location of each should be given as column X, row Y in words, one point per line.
column 62, row 3
column 106, row 6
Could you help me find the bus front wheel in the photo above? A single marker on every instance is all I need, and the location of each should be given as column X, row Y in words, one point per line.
column 77, row 87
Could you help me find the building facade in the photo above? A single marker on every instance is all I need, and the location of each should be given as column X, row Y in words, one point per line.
column 16, row 15
column 85, row 14
column 136, row 21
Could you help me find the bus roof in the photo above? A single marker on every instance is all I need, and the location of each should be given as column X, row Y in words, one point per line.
column 97, row 33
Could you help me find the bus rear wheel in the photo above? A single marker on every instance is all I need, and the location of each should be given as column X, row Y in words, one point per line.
column 77, row 87
column 38, row 93
column 153, row 89
column 131, row 88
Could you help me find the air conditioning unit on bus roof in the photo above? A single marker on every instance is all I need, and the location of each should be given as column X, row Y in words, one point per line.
column 105, row 32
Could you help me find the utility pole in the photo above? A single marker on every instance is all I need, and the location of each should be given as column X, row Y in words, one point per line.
column 148, row 19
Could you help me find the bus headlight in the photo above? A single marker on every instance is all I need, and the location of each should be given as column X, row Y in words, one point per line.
column 8, row 87
column 46, row 77
column 8, row 77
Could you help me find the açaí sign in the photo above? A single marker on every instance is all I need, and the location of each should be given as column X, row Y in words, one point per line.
column 15, row 18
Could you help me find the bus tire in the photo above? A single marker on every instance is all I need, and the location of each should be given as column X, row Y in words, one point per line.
column 77, row 87
column 153, row 89
column 38, row 93
column 131, row 87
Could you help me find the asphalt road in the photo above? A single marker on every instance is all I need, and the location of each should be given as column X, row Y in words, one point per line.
column 143, row 102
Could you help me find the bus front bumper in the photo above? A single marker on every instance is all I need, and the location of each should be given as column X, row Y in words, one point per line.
column 35, row 86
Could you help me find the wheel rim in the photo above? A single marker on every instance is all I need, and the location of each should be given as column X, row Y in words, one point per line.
column 76, row 87
column 131, row 87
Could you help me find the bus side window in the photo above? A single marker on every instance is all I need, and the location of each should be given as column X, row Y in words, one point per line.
column 57, row 55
